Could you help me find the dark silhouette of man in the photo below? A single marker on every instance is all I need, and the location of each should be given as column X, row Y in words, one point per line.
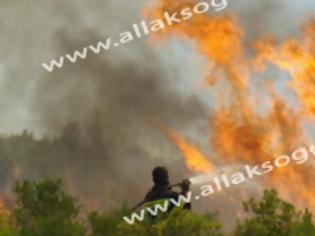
column 163, row 190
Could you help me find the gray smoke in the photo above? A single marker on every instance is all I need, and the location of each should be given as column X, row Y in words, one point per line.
column 110, row 95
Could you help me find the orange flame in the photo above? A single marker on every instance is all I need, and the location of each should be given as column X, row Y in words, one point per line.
column 3, row 208
column 195, row 159
column 218, row 38
column 246, row 129
column 298, row 58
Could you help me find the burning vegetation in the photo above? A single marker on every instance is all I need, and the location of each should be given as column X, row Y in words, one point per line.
column 252, row 123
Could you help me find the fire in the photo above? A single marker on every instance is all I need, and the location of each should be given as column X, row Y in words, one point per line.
column 218, row 38
column 3, row 208
column 194, row 158
column 298, row 58
column 244, row 128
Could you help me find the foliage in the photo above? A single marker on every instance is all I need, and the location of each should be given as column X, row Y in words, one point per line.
column 179, row 223
column 43, row 209
column 6, row 226
column 274, row 217
column 103, row 225
column 305, row 227
column 189, row 224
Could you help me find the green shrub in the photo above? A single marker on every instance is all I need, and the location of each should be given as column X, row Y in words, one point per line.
column 178, row 223
column 272, row 216
column 43, row 209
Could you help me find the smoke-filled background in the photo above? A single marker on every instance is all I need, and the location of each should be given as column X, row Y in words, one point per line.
column 91, row 119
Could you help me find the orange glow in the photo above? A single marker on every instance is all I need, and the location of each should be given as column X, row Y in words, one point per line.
column 194, row 158
column 3, row 208
column 298, row 58
column 246, row 129
column 218, row 38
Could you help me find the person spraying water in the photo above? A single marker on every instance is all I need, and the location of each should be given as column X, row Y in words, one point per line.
column 163, row 190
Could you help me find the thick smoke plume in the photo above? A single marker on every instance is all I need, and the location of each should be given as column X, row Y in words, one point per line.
column 94, row 111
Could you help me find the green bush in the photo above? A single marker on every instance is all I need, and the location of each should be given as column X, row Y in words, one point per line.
column 106, row 225
column 272, row 216
column 43, row 209
column 6, row 226
column 178, row 223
